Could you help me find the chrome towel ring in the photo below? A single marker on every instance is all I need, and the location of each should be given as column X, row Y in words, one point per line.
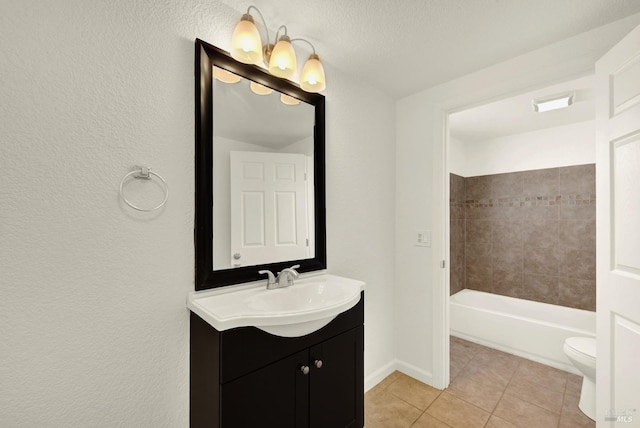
column 144, row 173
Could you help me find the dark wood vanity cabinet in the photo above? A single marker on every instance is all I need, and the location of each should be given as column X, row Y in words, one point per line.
column 245, row 377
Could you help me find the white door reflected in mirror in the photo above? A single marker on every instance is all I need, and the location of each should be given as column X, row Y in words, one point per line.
column 269, row 208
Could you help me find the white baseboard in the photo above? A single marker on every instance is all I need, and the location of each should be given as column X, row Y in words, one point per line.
column 415, row 372
column 377, row 376
column 410, row 370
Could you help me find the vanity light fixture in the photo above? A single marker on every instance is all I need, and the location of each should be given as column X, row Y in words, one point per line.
column 554, row 102
column 259, row 89
column 246, row 45
column 225, row 76
column 282, row 61
column 280, row 57
column 312, row 78
column 288, row 100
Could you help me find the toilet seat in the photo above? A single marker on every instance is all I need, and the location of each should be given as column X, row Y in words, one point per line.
column 585, row 346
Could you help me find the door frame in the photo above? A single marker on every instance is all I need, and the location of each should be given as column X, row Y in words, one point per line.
column 441, row 212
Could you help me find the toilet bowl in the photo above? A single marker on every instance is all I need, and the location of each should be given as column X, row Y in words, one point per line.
column 581, row 351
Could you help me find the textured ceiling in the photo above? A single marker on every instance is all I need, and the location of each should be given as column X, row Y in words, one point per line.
column 404, row 46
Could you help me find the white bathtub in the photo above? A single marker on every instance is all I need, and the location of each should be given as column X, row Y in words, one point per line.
column 532, row 330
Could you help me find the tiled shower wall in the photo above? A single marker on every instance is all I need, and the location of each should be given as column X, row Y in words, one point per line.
column 457, row 229
column 529, row 235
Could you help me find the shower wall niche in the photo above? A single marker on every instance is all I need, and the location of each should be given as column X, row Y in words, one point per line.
column 528, row 234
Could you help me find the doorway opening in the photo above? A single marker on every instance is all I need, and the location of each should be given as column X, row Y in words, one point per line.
column 522, row 208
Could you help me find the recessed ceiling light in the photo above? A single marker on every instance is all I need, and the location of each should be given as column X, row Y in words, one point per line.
column 553, row 103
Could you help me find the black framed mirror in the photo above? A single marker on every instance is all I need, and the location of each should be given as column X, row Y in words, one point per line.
column 229, row 137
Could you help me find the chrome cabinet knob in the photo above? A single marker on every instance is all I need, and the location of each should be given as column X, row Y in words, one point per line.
column 304, row 370
column 318, row 363
column 237, row 256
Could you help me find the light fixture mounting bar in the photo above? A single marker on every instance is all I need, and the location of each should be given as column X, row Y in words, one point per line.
column 264, row 23
column 300, row 39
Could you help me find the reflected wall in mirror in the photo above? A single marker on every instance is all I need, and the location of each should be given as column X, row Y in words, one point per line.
column 259, row 172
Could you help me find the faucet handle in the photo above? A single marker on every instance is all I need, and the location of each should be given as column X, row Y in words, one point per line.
column 293, row 270
column 288, row 275
column 271, row 280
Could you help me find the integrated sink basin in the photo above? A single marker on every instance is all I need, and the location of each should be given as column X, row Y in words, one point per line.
column 308, row 305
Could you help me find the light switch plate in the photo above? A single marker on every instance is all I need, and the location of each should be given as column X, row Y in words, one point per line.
column 423, row 238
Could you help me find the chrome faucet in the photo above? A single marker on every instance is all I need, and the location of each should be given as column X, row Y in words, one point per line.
column 271, row 280
column 285, row 277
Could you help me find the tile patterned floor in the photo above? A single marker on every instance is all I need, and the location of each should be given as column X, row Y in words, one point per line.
column 488, row 388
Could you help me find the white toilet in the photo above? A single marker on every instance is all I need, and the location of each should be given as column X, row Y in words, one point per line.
column 581, row 351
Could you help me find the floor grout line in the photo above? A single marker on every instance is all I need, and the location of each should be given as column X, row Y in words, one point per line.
column 503, row 392
column 477, row 349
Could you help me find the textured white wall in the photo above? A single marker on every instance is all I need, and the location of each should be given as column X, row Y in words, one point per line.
column 361, row 206
column 93, row 319
column 421, row 183
column 573, row 144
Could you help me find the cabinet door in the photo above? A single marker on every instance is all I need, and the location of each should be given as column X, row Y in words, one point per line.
column 336, row 390
column 273, row 396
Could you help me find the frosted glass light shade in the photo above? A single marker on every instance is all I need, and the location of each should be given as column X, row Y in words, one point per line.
column 260, row 89
column 290, row 101
column 312, row 78
column 246, row 45
column 553, row 103
column 225, row 76
column 283, row 59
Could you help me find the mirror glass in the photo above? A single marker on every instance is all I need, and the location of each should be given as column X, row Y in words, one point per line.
column 260, row 177
column 262, row 174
